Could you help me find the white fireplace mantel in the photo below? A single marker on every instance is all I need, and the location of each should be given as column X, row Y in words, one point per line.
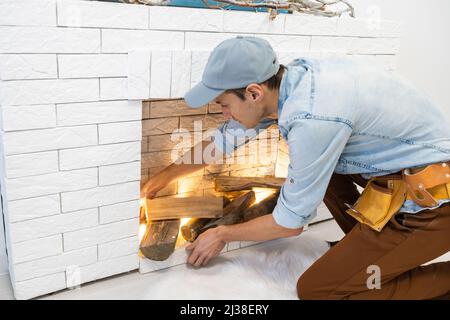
column 73, row 75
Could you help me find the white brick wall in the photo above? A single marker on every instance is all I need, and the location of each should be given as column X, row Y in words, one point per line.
column 49, row 40
column 98, row 112
column 118, row 248
column 117, row 173
column 310, row 25
column 30, row 164
column 72, row 140
column 100, row 234
column 26, row 250
column 113, row 88
column 39, row 286
column 107, row 268
column 28, row 66
column 119, row 132
column 29, row 117
column 138, row 84
column 99, row 155
column 56, row 224
column 27, row 13
column 165, row 18
column 54, row 264
column 161, row 69
column 39, row 185
column 122, row 41
column 92, row 65
column 23, row 92
column 19, row 210
column 49, row 139
column 99, row 196
column 101, row 15
column 252, row 22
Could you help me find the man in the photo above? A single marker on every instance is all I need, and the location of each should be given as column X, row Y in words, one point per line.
column 344, row 123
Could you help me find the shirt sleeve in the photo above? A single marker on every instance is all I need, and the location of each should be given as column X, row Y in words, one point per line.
column 231, row 134
column 314, row 149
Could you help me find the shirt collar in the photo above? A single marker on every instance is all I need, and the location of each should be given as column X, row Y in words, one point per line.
column 282, row 94
column 293, row 74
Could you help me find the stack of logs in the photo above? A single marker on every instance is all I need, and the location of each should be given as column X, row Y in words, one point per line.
column 235, row 205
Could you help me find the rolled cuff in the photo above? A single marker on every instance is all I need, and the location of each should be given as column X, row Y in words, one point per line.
column 288, row 219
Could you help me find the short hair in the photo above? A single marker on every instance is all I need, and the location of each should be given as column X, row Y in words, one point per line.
column 272, row 83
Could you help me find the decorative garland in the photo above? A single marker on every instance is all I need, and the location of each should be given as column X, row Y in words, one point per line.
column 327, row 8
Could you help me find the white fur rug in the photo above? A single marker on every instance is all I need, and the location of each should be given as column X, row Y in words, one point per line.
column 262, row 271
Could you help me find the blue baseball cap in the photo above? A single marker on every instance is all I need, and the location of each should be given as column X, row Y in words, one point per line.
column 234, row 63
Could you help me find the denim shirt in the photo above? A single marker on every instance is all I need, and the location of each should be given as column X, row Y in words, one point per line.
column 341, row 116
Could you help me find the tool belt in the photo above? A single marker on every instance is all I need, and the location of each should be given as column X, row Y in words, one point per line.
column 384, row 196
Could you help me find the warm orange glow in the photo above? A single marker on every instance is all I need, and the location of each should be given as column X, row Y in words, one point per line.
column 143, row 224
column 184, row 221
column 186, row 185
column 180, row 240
column 142, row 228
column 262, row 193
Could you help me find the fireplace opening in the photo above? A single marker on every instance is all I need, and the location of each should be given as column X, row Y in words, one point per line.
column 243, row 186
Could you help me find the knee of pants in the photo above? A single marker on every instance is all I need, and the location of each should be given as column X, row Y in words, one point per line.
column 308, row 289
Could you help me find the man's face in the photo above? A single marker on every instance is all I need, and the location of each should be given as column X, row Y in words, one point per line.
column 248, row 112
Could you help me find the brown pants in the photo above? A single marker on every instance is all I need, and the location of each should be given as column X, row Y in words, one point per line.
column 398, row 251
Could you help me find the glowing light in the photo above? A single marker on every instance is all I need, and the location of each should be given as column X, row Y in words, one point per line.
column 262, row 193
column 142, row 228
column 186, row 185
column 184, row 221
column 143, row 224
column 180, row 240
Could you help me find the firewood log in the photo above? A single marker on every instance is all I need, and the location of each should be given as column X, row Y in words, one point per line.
column 231, row 214
column 240, row 215
column 159, row 239
column 192, row 228
column 262, row 208
column 226, row 183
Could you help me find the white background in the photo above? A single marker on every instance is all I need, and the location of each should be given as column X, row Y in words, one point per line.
column 425, row 48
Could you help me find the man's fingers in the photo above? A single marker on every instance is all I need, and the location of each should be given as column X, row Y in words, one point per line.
column 192, row 245
column 193, row 257
column 199, row 261
column 205, row 262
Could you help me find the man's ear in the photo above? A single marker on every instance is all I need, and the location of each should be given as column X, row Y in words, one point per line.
column 255, row 91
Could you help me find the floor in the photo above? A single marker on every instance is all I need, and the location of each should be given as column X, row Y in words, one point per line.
column 262, row 271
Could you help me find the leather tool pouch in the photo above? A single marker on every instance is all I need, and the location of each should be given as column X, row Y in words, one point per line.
column 427, row 186
column 380, row 200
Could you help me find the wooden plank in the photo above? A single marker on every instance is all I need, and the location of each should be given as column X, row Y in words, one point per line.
column 225, row 183
column 190, row 207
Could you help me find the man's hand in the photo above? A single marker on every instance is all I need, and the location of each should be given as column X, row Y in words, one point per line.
column 207, row 246
column 161, row 180
column 153, row 185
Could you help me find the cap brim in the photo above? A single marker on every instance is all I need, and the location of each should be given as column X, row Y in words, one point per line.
column 200, row 95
